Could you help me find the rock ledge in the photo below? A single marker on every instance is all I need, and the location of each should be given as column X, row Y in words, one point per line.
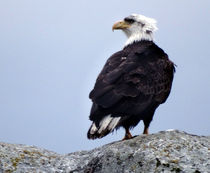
column 167, row 151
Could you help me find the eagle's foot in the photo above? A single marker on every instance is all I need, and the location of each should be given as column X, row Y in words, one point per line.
column 127, row 135
column 146, row 131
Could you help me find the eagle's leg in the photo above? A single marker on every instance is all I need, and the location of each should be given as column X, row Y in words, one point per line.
column 146, row 130
column 127, row 134
column 146, row 127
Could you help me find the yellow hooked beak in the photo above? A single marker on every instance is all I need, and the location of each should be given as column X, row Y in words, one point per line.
column 120, row 25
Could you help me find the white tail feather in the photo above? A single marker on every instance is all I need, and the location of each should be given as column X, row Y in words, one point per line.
column 108, row 123
column 93, row 129
column 113, row 123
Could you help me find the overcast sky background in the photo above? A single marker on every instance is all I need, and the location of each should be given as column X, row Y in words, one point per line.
column 52, row 51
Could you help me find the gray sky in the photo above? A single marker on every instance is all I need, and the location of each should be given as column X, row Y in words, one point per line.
column 52, row 51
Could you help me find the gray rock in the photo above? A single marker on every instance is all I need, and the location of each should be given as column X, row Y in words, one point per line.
column 168, row 151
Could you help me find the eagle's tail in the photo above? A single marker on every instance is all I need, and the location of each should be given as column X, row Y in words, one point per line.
column 106, row 125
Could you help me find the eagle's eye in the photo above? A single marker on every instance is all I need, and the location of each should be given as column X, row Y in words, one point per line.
column 129, row 20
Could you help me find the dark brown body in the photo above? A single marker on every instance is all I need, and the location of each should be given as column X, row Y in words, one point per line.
column 132, row 84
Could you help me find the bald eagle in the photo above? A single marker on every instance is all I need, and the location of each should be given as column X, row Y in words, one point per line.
column 133, row 82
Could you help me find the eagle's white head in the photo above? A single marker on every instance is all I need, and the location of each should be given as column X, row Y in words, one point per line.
column 137, row 27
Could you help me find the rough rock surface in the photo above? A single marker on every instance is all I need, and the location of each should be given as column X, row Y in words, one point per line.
column 168, row 151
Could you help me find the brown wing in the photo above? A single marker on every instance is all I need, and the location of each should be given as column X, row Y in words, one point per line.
column 131, row 82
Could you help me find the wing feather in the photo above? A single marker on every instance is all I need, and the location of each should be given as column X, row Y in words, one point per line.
column 143, row 75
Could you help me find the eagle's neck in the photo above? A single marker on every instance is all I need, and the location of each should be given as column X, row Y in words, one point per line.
column 138, row 45
column 139, row 37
